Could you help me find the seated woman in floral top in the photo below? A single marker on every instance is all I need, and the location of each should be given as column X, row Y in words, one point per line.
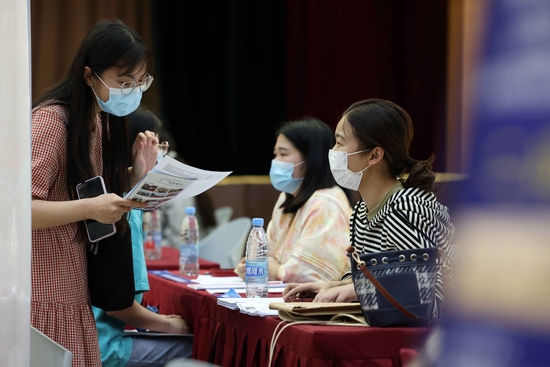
column 309, row 230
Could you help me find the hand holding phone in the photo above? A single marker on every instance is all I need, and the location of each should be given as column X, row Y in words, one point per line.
column 90, row 189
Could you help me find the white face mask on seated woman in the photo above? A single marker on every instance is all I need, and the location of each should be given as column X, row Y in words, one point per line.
column 342, row 174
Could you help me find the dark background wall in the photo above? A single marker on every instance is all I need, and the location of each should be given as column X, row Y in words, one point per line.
column 229, row 72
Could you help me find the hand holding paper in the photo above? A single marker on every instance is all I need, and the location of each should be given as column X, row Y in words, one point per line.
column 171, row 179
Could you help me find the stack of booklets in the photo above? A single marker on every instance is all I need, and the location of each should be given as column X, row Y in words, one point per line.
column 220, row 285
column 250, row 306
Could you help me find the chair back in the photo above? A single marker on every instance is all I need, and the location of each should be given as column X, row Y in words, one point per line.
column 226, row 243
column 223, row 214
column 44, row 352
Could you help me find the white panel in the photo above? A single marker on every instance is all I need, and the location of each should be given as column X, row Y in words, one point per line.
column 15, row 183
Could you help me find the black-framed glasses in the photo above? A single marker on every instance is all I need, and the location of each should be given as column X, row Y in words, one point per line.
column 128, row 87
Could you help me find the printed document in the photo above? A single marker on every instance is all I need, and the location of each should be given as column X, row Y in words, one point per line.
column 171, row 179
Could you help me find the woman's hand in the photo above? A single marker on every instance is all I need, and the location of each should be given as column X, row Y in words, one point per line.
column 177, row 325
column 342, row 293
column 307, row 290
column 240, row 270
column 108, row 208
column 144, row 155
column 273, row 265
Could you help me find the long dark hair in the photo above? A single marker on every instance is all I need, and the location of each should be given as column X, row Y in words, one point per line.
column 110, row 43
column 313, row 138
column 381, row 123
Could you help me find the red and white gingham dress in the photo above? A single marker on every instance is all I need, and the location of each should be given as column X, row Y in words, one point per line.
column 60, row 302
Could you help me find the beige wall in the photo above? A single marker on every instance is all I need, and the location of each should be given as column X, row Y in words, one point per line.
column 250, row 196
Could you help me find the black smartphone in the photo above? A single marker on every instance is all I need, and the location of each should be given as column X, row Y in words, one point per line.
column 91, row 188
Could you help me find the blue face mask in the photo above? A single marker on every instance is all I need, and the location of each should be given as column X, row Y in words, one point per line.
column 119, row 104
column 281, row 176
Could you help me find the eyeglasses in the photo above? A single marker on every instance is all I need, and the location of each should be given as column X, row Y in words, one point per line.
column 163, row 148
column 128, row 87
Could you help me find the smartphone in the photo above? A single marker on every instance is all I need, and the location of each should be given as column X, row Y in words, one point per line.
column 91, row 188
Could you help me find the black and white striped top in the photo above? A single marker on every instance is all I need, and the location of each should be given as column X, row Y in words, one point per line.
column 386, row 231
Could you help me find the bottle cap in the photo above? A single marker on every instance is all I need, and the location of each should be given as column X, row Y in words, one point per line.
column 190, row 210
column 257, row 222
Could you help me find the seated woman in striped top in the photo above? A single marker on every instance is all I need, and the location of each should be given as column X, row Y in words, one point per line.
column 370, row 156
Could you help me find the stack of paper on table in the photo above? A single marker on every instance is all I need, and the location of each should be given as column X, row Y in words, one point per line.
column 216, row 285
column 250, row 306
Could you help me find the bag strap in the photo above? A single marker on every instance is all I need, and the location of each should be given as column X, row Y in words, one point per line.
column 361, row 266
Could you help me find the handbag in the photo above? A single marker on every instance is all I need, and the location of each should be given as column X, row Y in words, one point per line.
column 111, row 272
column 337, row 313
column 396, row 288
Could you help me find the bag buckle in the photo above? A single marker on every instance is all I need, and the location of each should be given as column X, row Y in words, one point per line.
column 359, row 262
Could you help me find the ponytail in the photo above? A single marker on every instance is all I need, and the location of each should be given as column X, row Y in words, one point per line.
column 420, row 174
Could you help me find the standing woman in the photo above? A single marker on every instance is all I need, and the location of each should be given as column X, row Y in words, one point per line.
column 78, row 132
column 370, row 156
column 308, row 233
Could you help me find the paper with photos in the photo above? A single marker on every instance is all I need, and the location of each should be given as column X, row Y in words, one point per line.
column 171, row 179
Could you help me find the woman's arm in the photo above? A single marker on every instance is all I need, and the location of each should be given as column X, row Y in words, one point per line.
column 273, row 269
column 47, row 214
column 343, row 293
column 138, row 316
column 309, row 290
column 106, row 208
column 319, row 254
column 273, row 266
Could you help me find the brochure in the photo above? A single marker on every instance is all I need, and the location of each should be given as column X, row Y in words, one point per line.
column 171, row 179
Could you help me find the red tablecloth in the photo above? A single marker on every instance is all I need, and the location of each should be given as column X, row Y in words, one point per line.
column 171, row 258
column 228, row 338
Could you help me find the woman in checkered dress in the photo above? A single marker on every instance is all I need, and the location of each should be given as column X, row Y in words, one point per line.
column 78, row 132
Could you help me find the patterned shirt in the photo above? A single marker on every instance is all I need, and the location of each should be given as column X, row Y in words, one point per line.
column 311, row 244
column 60, row 302
column 386, row 231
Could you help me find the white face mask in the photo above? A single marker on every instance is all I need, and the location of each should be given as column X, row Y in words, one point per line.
column 342, row 174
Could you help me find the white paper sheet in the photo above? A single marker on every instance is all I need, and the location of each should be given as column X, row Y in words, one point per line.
column 208, row 282
column 276, row 288
column 250, row 306
column 171, row 179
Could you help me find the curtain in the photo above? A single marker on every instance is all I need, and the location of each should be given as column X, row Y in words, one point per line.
column 223, row 80
column 58, row 27
column 227, row 73
column 340, row 52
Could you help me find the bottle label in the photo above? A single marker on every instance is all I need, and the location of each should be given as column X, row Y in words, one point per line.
column 256, row 271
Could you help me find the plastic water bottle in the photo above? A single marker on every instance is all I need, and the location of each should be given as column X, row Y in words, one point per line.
column 152, row 235
column 189, row 244
column 257, row 257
